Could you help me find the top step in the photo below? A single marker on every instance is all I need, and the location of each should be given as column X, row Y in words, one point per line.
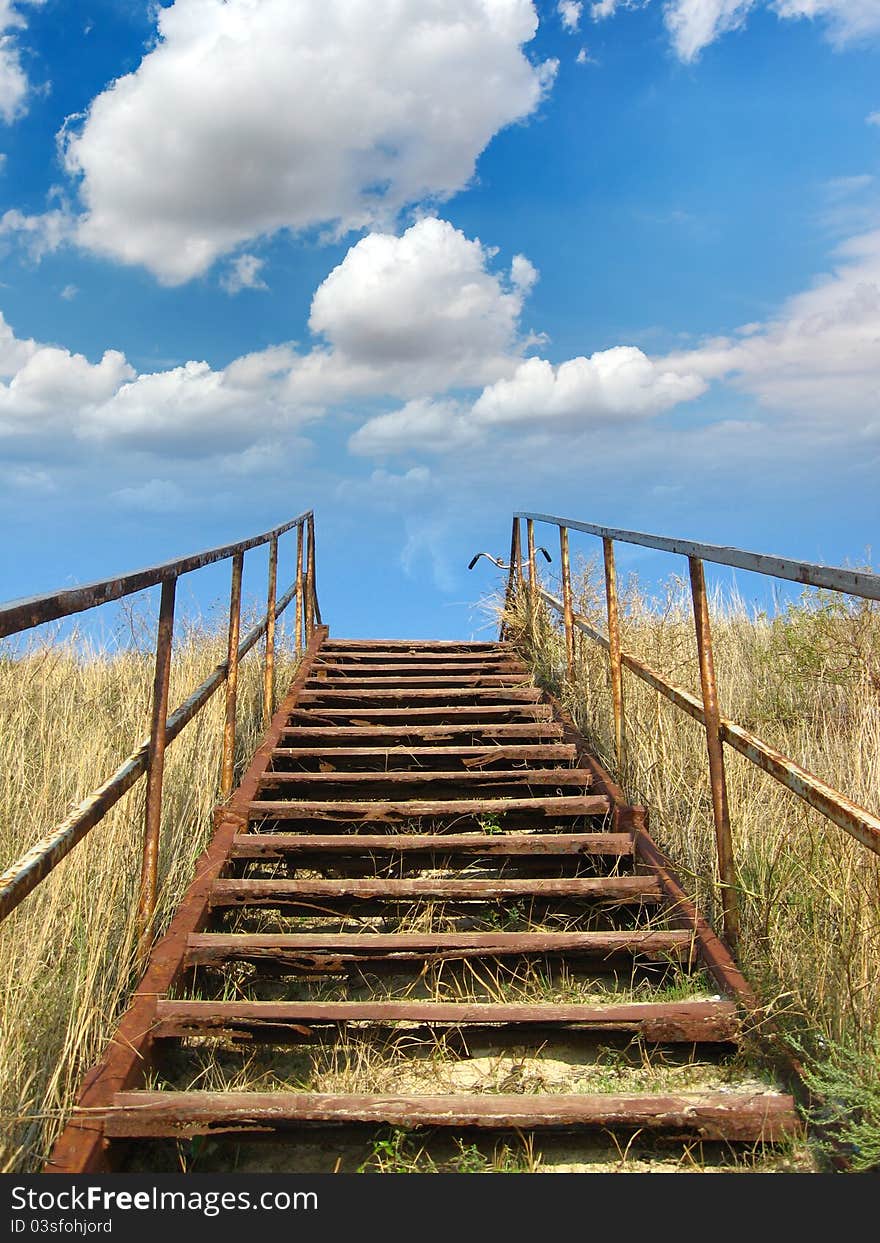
column 412, row 645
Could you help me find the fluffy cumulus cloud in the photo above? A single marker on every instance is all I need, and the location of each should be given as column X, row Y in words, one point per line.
column 45, row 388
column 402, row 317
column 424, row 305
column 250, row 116
column 14, row 85
column 620, row 383
column 613, row 385
column 694, row 24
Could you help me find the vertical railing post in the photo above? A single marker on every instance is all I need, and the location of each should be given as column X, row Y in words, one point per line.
column 715, row 747
column 533, row 581
column 299, row 590
column 513, row 578
column 616, row 669
column 269, row 663
column 227, row 774
column 566, row 602
column 155, row 771
column 309, row 586
column 316, row 608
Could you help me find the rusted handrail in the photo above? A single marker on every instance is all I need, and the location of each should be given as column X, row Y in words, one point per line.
column 27, row 872
column 829, row 802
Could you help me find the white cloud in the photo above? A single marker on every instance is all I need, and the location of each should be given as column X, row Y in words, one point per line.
column 603, row 9
column 423, row 425
column 69, row 292
column 186, row 411
column 620, row 383
column 873, row 118
column 14, row 84
column 251, row 116
column 421, row 311
column 695, row 24
column 51, row 387
column 244, row 273
column 41, row 234
column 400, row 317
column 848, row 20
column 818, row 359
column 613, row 385
column 570, row 13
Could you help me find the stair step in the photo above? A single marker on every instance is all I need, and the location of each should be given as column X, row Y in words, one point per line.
column 281, row 845
column 413, row 645
column 557, row 777
column 495, row 695
column 676, row 1023
column 472, row 757
column 326, row 951
column 370, row 670
column 616, row 890
column 372, row 810
column 439, row 733
column 752, row 1117
column 482, row 713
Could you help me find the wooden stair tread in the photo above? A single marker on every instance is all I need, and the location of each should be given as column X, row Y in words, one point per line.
column 467, row 754
column 680, row 1022
column 328, row 949
column 599, row 888
column 274, row 845
column 535, row 729
column 581, row 777
column 534, row 711
column 374, row 811
column 709, row 1115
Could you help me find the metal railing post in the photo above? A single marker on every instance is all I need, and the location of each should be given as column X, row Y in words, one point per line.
column 615, row 666
column 715, row 747
column 307, row 601
column 533, row 580
column 315, row 607
column 566, row 602
column 269, row 662
column 227, row 775
column 155, row 770
column 510, row 593
column 299, row 591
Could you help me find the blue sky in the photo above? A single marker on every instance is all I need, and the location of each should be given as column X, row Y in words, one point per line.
column 418, row 263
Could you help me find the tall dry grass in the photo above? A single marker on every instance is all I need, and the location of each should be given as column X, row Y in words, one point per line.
column 69, row 713
column 807, row 680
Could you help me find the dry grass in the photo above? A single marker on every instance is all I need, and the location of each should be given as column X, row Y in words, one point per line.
column 68, row 715
column 808, row 681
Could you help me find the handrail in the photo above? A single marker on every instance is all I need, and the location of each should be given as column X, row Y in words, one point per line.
column 829, row 802
column 835, row 578
column 148, row 758
column 24, row 614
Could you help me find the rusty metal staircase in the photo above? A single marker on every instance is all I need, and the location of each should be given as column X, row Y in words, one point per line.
column 414, row 808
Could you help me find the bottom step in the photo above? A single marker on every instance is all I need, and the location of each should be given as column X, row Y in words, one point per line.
column 749, row 1118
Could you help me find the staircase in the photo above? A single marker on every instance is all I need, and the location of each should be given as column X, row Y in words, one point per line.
column 424, row 887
